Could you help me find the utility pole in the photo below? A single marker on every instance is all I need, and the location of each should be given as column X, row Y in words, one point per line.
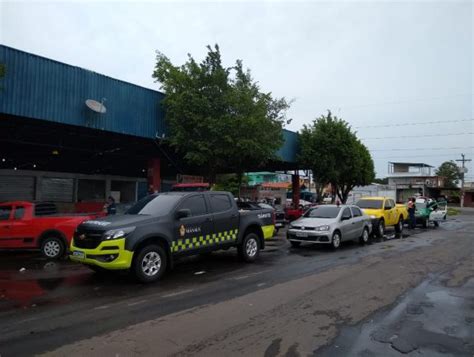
column 463, row 171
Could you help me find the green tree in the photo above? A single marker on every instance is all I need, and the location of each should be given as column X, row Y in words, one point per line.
column 382, row 181
column 219, row 119
column 335, row 155
column 230, row 182
column 450, row 171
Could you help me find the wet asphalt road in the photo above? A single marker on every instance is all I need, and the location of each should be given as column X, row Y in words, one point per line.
column 50, row 304
column 431, row 320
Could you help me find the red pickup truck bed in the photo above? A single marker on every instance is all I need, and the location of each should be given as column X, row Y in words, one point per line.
column 26, row 225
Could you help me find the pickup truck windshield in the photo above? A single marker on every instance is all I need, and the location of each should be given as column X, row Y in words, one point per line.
column 370, row 204
column 322, row 212
column 154, row 205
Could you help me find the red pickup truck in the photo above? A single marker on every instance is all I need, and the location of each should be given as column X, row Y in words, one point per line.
column 27, row 225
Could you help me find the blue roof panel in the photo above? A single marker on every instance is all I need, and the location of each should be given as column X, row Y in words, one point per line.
column 40, row 88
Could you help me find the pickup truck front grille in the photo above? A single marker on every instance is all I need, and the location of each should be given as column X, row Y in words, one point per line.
column 87, row 240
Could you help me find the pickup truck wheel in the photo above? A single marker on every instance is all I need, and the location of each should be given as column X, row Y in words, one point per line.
column 424, row 223
column 53, row 247
column 250, row 249
column 149, row 264
column 436, row 224
column 381, row 228
column 336, row 240
column 364, row 238
column 399, row 226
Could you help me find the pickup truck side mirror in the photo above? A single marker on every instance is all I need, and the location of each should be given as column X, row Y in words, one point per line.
column 183, row 213
column 345, row 218
column 388, row 208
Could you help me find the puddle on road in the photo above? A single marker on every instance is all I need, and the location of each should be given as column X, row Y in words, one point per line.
column 21, row 293
column 430, row 320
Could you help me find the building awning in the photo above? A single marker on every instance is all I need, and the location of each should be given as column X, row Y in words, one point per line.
column 280, row 185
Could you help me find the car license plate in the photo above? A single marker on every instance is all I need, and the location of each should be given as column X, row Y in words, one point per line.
column 301, row 234
column 78, row 254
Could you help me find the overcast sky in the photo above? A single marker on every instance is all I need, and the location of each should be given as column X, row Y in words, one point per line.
column 378, row 65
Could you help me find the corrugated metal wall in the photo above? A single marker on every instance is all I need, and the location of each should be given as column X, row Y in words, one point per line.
column 40, row 88
column 17, row 188
column 57, row 189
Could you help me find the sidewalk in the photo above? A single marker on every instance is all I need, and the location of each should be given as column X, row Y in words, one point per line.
column 468, row 210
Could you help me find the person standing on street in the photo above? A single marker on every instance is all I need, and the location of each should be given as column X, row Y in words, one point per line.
column 110, row 206
column 411, row 213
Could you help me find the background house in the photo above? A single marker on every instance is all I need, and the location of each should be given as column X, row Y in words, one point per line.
column 409, row 179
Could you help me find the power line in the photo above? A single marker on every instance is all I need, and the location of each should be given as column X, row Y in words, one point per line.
column 413, row 123
column 437, row 148
column 414, row 136
column 401, row 101
column 410, row 156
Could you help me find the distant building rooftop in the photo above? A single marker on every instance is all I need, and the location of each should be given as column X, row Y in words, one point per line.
column 414, row 164
column 409, row 169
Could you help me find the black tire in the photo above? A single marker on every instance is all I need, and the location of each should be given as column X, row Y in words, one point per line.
column 399, row 226
column 295, row 244
column 150, row 263
column 380, row 229
column 424, row 223
column 336, row 240
column 365, row 237
column 249, row 250
column 436, row 224
column 53, row 247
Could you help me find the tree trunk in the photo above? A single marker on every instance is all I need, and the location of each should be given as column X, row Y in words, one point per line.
column 343, row 193
column 239, row 182
column 334, row 193
column 319, row 191
column 211, row 177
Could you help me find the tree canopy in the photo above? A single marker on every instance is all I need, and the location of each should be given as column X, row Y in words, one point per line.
column 450, row 171
column 382, row 181
column 219, row 119
column 335, row 155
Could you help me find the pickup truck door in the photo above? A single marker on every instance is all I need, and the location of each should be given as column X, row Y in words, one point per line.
column 5, row 226
column 389, row 212
column 193, row 232
column 439, row 213
column 226, row 217
column 22, row 230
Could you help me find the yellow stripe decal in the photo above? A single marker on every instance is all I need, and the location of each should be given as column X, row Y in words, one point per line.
column 204, row 241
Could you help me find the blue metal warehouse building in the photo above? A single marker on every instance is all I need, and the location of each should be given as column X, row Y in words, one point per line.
column 54, row 147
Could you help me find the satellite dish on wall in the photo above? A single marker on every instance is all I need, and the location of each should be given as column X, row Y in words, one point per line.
column 96, row 106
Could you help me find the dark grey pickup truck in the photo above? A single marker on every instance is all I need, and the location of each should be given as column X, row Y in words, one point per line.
column 163, row 226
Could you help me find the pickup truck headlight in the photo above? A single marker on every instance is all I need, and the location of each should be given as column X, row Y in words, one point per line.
column 118, row 233
column 322, row 228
